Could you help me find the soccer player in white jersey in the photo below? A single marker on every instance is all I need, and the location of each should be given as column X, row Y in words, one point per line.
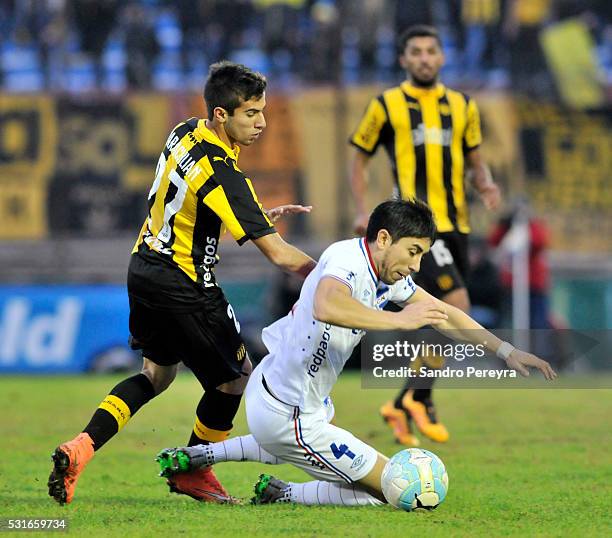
column 287, row 397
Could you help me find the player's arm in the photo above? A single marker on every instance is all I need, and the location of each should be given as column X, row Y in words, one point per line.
column 478, row 172
column 236, row 203
column 365, row 139
column 333, row 303
column 359, row 178
column 285, row 256
column 460, row 326
column 480, row 176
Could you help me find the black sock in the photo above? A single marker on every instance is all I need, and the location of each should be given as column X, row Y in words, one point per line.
column 214, row 417
column 422, row 394
column 118, row 407
column 397, row 403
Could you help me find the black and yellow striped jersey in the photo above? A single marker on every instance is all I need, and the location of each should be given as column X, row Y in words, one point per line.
column 426, row 133
column 197, row 194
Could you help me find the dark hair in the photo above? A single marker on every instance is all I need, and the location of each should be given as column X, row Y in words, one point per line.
column 229, row 84
column 418, row 30
column 402, row 218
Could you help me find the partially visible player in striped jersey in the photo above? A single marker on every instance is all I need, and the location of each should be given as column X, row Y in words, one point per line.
column 432, row 136
column 287, row 398
column 178, row 312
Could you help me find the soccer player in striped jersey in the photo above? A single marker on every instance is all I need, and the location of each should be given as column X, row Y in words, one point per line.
column 431, row 134
column 178, row 312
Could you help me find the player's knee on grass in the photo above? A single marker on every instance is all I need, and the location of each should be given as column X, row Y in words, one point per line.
column 161, row 377
column 458, row 298
column 372, row 481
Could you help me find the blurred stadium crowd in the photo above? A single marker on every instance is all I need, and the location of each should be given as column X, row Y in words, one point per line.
column 83, row 45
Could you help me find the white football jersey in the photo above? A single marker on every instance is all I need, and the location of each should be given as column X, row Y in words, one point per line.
column 305, row 355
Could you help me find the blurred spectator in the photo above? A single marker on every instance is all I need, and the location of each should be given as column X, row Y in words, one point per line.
column 363, row 24
column 214, row 27
column 324, row 58
column 52, row 38
column 94, row 20
column 522, row 24
column 408, row 14
column 481, row 20
column 141, row 45
column 192, row 15
column 539, row 272
column 281, row 28
column 39, row 24
column 484, row 286
column 318, row 40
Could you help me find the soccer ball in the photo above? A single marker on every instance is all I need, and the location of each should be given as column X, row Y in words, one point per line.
column 414, row 478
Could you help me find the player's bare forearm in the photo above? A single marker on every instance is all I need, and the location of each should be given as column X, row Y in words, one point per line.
column 459, row 326
column 482, row 180
column 296, row 261
column 285, row 256
column 359, row 180
column 478, row 169
column 333, row 304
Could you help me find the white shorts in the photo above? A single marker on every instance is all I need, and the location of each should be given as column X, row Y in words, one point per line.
column 308, row 440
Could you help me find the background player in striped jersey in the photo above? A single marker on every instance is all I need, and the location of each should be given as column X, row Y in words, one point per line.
column 287, row 398
column 431, row 134
column 177, row 310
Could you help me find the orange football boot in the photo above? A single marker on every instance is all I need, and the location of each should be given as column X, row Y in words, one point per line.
column 398, row 422
column 424, row 418
column 201, row 484
column 69, row 460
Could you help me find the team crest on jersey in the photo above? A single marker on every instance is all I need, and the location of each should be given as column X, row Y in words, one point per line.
column 382, row 299
column 366, row 294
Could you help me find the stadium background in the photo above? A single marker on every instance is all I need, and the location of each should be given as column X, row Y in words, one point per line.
column 85, row 109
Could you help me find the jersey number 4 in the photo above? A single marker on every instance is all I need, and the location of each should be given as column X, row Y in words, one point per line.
column 341, row 451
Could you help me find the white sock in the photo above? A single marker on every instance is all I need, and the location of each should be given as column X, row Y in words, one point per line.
column 320, row 492
column 243, row 448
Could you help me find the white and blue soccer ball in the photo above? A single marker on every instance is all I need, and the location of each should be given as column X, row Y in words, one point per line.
column 414, row 479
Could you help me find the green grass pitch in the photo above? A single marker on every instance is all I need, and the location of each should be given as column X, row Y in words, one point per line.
column 520, row 462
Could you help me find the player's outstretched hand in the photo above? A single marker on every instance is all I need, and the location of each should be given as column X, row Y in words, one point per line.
column 430, row 311
column 360, row 224
column 521, row 361
column 290, row 209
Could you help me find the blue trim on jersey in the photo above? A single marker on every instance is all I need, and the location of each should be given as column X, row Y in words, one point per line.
column 337, row 471
column 381, row 290
column 367, row 259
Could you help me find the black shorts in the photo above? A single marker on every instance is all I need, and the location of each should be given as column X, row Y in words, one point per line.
column 207, row 340
column 445, row 267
